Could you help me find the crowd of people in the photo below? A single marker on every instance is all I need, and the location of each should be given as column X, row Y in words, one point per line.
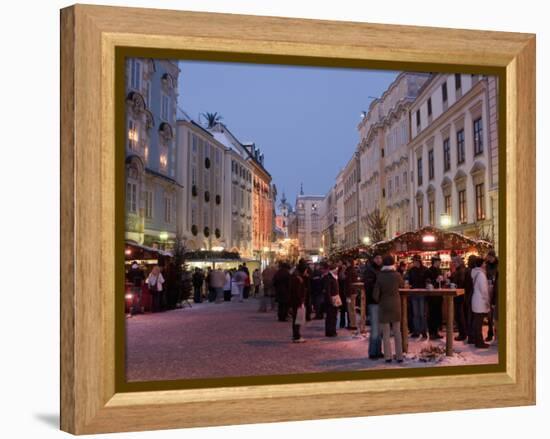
column 330, row 291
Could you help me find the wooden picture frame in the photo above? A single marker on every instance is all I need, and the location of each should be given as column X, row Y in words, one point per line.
column 91, row 402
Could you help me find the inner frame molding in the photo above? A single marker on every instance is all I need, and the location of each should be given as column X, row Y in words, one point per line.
column 90, row 36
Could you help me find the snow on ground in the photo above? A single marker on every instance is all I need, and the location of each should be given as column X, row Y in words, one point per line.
column 233, row 339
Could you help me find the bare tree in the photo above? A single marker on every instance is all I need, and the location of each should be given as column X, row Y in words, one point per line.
column 376, row 223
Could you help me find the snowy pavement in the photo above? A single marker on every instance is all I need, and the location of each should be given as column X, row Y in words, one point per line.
column 233, row 339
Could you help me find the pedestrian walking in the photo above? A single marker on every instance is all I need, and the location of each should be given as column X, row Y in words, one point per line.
column 257, row 281
column 316, row 284
column 155, row 280
column 298, row 291
column 239, row 279
column 417, row 279
column 372, row 270
column 332, row 298
column 281, row 283
column 386, row 293
column 481, row 302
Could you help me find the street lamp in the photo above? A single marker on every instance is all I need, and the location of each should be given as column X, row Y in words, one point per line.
column 163, row 237
column 445, row 220
column 366, row 240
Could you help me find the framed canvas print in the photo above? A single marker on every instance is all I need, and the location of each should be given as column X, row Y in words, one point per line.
column 294, row 214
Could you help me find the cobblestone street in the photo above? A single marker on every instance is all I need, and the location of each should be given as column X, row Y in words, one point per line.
column 233, row 339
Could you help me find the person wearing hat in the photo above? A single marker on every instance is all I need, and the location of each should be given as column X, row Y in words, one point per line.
column 417, row 279
column 435, row 303
column 386, row 293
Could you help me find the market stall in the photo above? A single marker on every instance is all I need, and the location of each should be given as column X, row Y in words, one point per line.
column 431, row 241
column 224, row 260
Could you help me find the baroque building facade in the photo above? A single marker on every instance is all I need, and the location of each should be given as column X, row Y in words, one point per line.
column 153, row 187
column 453, row 154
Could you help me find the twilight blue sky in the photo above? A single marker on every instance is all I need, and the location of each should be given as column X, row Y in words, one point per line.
column 304, row 119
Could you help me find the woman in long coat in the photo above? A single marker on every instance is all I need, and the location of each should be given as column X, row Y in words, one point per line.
column 331, row 291
column 298, row 292
column 386, row 292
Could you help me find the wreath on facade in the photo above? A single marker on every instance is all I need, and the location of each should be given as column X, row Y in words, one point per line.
column 218, row 233
column 206, row 196
column 206, row 232
column 218, row 199
column 207, row 163
column 194, row 229
column 194, row 190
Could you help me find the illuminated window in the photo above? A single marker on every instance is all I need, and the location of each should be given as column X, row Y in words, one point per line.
column 448, row 207
column 480, row 201
column 132, row 135
column 462, row 206
column 431, row 212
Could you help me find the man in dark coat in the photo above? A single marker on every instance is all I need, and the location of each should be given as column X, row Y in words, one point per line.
column 330, row 291
column 281, row 283
column 435, row 303
column 351, row 293
column 198, row 279
column 298, row 292
column 136, row 277
column 417, row 279
column 491, row 265
column 369, row 278
column 458, row 278
column 316, row 285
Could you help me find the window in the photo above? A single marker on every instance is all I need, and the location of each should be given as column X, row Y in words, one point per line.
column 167, row 209
column 446, row 155
column 462, row 206
column 420, row 214
column 444, row 91
column 389, row 188
column 397, row 183
column 194, row 142
column 165, row 107
column 458, row 81
column 148, row 204
column 132, row 135
column 429, row 107
column 431, row 212
column 480, row 201
column 417, row 118
column 478, row 136
column 135, row 74
column 131, row 197
column 419, row 170
column 448, row 208
column 431, row 171
column 460, row 151
column 405, row 180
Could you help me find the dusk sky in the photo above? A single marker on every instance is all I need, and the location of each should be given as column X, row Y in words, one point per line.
column 304, row 119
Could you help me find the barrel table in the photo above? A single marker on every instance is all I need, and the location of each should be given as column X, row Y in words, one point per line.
column 448, row 301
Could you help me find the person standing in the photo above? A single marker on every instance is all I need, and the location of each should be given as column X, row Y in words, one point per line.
column 198, row 279
column 352, row 277
column 372, row 270
column 481, row 303
column 386, row 293
column 227, row 287
column 332, row 298
column 458, row 278
column 281, row 283
column 435, row 303
column 417, row 279
column 298, row 291
column 316, row 284
column 342, row 267
column 468, row 291
column 136, row 277
column 239, row 279
column 491, row 265
column 155, row 281
column 217, row 281
column 247, row 283
column 268, row 292
column 257, row 281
